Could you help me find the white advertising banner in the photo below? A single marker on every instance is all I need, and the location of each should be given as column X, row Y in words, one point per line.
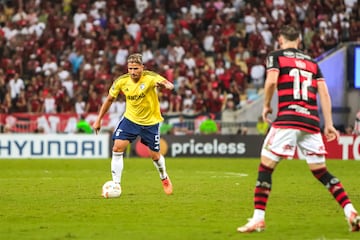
column 54, row 146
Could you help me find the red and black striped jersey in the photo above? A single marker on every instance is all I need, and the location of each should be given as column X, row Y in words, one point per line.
column 297, row 89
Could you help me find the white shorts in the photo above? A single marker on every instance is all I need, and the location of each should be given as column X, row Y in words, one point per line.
column 282, row 143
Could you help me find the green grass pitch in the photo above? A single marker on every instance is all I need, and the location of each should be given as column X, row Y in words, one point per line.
column 61, row 199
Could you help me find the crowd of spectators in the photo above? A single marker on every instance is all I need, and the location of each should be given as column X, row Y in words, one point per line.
column 61, row 56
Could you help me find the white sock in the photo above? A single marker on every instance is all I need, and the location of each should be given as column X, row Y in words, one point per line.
column 259, row 215
column 160, row 166
column 348, row 209
column 117, row 165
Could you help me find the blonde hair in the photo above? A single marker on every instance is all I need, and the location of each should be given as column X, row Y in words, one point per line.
column 135, row 58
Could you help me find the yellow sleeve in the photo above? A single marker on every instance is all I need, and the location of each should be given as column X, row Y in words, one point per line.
column 155, row 77
column 116, row 87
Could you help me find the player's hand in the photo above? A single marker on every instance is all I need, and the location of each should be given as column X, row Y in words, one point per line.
column 331, row 133
column 165, row 84
column 96, row 126
column 265, row 112
column 160, row 85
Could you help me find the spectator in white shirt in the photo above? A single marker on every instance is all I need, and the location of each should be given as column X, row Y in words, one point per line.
column 68, row 84
column 80, row 105
column 50, row 65
column 349, row 4
column 62, row 72
column 141, row 5
column 267, row 36
column 257, row 74
column 79, row 17
column 16, row 84
column 278, row 13
column 280, row 3
column 49, row 103
column 250, row 23
column 196, row 10
column 9, row 31
column 208, row 43
column 94, row 11
column 146, row 53
column 179, row 52
column 133, row 28
column 121, row 56
column 189, row 61
column 100, row 4
column 20, row 15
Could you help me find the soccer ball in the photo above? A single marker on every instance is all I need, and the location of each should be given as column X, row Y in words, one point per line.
column 111, row 189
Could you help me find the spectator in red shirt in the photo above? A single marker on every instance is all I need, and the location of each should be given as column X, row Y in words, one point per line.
column 175, row 103
column 93, row 103
column 21, row 103
column 214, row 103
column 67, row 105
column 199, row 103
column 35, row 103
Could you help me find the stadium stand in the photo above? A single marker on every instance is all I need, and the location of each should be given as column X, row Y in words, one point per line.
column 55, row 53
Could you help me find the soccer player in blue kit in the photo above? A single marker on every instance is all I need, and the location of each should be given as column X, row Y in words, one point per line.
column 142, row 116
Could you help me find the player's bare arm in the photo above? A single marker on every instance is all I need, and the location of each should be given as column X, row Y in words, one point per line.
column 269, row 89
column 103, row 110
column 165, row 84
column 329, row 131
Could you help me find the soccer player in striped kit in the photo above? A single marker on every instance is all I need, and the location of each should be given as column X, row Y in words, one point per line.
column 298, row 80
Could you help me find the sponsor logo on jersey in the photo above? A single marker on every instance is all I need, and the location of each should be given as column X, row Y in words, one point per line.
column 136, row 97
column 289, row 54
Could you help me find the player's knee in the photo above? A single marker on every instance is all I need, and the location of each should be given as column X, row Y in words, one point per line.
column 120, row 146
column 117, row 148
column 155, row 155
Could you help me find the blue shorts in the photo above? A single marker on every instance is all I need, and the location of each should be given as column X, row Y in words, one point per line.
column 128, row 130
